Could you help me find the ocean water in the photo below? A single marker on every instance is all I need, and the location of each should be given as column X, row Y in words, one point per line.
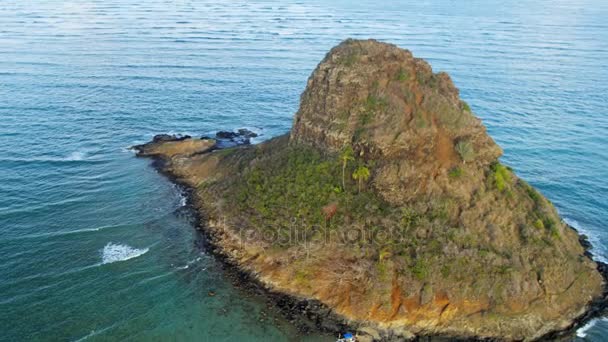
column 95, row 245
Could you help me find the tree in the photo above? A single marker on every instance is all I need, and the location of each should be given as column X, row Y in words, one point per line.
column 465, row 150
column 361, row 174
column 346, row 156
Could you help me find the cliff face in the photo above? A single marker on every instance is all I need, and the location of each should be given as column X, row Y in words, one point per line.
column 388, row 204
column 391, row 107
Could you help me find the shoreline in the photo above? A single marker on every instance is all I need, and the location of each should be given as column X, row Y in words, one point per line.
column 306, row 315
column 312, row 316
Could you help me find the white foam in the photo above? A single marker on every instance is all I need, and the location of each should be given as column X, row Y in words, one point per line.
column 181, row 196
column 582, row 331
column 596, row 246
column 75, row 156
column 116, row 252
column 186, row 266
column 94, row 333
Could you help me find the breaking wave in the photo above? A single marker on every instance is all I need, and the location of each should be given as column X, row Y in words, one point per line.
column 582, row 332
column 116, row 252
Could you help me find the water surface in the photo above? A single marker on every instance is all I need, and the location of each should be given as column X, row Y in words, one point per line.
column 94, row 244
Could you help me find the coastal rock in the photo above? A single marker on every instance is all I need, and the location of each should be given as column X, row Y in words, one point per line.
column 242, row 136
column 386, row 206
column 169, row 137
column 169, row 146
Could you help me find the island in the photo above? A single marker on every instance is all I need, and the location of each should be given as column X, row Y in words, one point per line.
column 386, row 210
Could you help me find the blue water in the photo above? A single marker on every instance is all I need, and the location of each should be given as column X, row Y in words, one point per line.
column 94, row 244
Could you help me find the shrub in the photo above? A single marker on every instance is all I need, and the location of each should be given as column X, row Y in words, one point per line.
column 402, row 75
column 551, row 226
column 465, row 150
column 533, row 194
column 348, row 60
column 409, row 218
column 455, row 172
column 420, row 270
column 445, row 271
column 501, row 176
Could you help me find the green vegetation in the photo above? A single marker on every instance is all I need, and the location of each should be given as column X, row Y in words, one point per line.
column 372, row 105
column 346, row 156
column 295, row 183
column 532, row 193
column 465, row 106
column 419, row 118
column 361, row 175
column 302, row 277
column 455, row 172
column 465, row 150
column 549, row 223
column 501, row 176
column 409, row 218
column 445, row 271
column 402, row 75
column 420, row 269
column 348, row 60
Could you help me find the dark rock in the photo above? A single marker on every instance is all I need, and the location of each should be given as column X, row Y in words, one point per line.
column 247, row 133
column 169, row 137
column 226, row 135
column 227, row 139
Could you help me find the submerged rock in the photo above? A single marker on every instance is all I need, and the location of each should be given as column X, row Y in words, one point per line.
column 227, row 139
column 387, row 204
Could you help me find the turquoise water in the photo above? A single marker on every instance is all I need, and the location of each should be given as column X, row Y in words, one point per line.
column 94, row 244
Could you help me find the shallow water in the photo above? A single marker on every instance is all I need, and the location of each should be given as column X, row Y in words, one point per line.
column 94, row 244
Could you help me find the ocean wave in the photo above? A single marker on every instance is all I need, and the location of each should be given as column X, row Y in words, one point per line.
column 70, row 232
column 59, row 233
column 117, row 252
column 599, row 254
column 94, row 333
column 182, row 200
column 582, row 331
column 75, row 156
column 189, row 263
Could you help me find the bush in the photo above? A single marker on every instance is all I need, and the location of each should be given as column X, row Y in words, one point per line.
column 533, row 194
column 501, row 176
column 402, row 75
column 420, row 269
column 465, row 150
column 455, row 172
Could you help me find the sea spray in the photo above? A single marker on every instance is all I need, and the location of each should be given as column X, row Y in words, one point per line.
column 117, row 252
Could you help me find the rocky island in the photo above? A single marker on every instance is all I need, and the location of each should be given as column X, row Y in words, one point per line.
column 388, row 207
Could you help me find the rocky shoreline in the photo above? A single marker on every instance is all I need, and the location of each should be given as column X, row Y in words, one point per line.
column 310, row 315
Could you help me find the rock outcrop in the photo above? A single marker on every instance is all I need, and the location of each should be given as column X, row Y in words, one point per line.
column 388, row 204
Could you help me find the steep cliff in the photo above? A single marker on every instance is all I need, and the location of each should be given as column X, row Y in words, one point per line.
column 388, row 204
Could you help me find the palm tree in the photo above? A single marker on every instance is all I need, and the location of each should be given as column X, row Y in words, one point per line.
column 361, row 174
column 346, row 156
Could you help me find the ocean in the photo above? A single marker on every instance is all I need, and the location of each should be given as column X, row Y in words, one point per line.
column 96, row 245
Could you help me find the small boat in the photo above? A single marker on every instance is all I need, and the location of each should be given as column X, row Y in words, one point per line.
column 347, row 337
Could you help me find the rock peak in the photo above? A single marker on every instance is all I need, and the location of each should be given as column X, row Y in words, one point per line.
column 379, row 97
